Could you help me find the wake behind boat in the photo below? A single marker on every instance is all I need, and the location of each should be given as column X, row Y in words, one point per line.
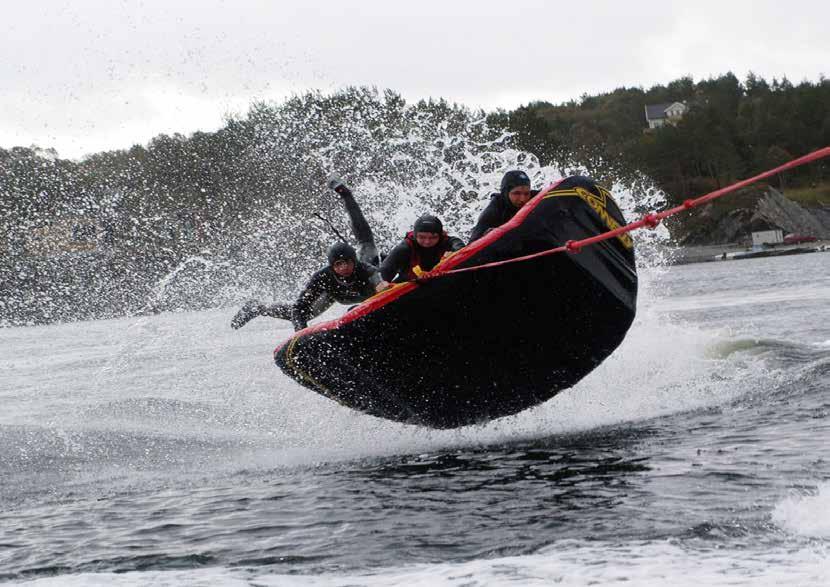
column 464, row 348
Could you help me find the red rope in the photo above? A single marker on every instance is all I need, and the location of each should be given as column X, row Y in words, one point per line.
column 650, row 220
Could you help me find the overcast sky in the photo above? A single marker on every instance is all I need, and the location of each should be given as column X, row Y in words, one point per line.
column 87, row 75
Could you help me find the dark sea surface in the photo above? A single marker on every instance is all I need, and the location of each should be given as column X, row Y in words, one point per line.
column 168, row 450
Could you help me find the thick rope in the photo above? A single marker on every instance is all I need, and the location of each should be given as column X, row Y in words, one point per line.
column 650, row 220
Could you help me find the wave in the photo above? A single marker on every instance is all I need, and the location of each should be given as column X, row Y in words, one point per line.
column 806, row 514
column 568, row 563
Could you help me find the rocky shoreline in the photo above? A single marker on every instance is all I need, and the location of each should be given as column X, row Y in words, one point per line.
column 736, row 252
column 723, row 229
column 732, row 220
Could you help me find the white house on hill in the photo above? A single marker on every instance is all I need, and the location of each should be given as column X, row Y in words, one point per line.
column 658, row 115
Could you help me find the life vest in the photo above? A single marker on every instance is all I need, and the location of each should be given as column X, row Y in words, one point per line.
column 415, row 269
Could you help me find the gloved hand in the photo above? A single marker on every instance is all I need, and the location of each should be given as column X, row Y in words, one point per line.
column 335, row 183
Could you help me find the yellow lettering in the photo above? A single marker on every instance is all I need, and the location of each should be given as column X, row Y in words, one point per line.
column 598, row 204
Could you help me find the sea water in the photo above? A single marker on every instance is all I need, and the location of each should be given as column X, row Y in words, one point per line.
column 169, row 450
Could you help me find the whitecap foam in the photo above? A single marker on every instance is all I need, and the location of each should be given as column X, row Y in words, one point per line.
column 806, row 515
column 569, row 563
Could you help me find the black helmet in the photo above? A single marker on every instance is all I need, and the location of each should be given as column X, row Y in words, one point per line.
column 341, row 252
column 513, row 179
column 428, row 223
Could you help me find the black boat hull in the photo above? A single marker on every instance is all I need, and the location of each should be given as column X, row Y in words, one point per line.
column 469, row 347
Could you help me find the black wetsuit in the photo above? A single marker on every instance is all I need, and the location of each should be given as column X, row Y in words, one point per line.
column 499, row 211
column 326, row 287
column 398, row 265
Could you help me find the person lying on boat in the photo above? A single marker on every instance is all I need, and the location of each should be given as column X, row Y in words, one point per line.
column 421, row 250
column 515, row 192
column 350, row 276
column 345, row 280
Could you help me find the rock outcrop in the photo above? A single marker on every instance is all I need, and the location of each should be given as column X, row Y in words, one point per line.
column 720, row 223
column 780, row 212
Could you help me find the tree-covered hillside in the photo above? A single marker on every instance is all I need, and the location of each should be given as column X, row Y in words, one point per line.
column 202, row 220
column 732, row 130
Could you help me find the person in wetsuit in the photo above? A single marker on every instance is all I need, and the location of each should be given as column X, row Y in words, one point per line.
column 515, row 192
column 421, row 250
column 350, row 277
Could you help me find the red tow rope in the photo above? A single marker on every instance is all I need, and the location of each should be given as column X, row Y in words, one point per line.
column 650, row 220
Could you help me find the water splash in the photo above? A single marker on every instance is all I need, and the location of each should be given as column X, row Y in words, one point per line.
column 240, row 203
column 806, row 515
column 183, row 282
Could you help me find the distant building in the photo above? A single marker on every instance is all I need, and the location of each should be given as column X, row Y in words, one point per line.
column 658, row 115
column 767, row 237
column 83, row 234
column 74, row 234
